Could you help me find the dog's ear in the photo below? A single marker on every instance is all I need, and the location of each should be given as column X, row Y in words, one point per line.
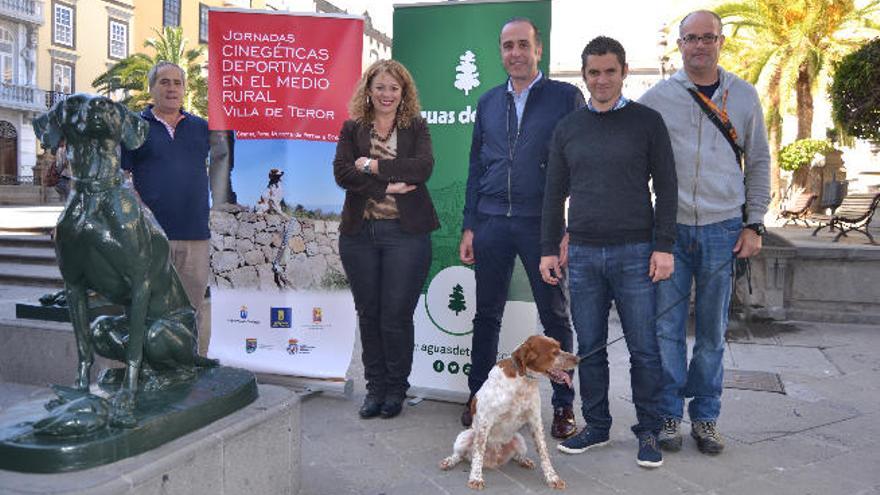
column 522, row 356
column 47, row 127
column 134, row 128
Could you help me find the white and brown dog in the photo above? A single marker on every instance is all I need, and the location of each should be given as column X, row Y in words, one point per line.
column 270, row 200
column 508, row 400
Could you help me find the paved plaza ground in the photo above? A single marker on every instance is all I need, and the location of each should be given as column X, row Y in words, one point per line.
column 821, row 436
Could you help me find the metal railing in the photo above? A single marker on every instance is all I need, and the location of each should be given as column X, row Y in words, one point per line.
column 12, row 180
column 53, row 97
column 21, row 97
column 26, row 10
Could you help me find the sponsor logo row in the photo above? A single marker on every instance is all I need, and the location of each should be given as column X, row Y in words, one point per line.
column 279, row 317
column 294, row 346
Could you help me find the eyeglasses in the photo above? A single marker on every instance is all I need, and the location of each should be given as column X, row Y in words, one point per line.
column 706, row 39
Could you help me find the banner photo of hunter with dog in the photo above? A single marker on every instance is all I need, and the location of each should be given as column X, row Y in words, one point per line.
column 278, row 96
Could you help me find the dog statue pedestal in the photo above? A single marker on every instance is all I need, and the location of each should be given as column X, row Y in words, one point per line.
column 30, row 441
column 108, row 243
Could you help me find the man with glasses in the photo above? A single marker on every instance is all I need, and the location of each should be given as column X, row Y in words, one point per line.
column 716, row 123
column 502, row 211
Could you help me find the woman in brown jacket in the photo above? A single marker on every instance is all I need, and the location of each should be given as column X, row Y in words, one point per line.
column 383, row 160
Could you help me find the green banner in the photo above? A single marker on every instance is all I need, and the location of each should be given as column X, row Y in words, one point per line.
column 453, row 53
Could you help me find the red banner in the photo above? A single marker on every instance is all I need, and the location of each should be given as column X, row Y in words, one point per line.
column 282, row 76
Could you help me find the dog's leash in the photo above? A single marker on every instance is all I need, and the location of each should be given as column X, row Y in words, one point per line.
column 658, row 315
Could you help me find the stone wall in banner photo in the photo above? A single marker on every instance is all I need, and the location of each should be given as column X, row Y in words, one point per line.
column 245, row 246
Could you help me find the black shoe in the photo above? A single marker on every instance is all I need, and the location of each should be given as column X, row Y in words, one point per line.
column 372, row 407
column 563, row 425
column 649, row 455
column 583, row 441
column 391, row 408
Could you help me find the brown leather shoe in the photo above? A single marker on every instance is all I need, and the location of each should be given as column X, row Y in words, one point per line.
column 466, row 418
column 564, row 424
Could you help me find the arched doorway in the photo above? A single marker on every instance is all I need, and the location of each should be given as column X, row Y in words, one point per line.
column 8, row 152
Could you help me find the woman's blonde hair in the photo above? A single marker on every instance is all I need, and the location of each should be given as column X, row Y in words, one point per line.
column 362, row 111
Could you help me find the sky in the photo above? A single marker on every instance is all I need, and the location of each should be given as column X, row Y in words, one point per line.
column 307, row 166
column 575, row 22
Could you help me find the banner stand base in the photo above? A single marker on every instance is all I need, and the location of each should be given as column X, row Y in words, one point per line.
column 421, row 393
column 340, row 386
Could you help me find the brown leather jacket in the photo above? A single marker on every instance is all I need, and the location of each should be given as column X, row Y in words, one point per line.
column 413, row 165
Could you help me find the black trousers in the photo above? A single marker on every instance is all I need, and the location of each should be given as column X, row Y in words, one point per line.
column 386, row 268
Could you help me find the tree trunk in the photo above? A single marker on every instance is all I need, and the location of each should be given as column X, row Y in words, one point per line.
column 804, row 88
column 774, row 137
column 773, row 121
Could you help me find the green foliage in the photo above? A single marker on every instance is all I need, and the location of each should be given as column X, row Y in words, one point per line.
column 855, row 92
column 801, row 152
column 130, row 74
column 772, row 42
column 300, row 211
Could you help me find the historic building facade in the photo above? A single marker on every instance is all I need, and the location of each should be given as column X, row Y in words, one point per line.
column 20, row 98
column 52, row 48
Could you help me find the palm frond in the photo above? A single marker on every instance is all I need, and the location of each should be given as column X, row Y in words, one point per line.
column 130, row 74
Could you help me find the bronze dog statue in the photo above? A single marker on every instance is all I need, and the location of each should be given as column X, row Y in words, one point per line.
column 108, row 242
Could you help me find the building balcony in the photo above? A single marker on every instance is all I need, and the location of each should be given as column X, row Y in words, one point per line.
column 26, row 98
column 30, row 11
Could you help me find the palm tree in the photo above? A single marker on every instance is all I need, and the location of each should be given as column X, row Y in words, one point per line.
column 130, row 74
column 784, row 46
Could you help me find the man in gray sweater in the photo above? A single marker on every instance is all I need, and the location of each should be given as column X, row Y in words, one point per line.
column 721, row 207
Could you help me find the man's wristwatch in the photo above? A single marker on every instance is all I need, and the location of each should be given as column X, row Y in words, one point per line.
column 366, row 167
column 757, row 227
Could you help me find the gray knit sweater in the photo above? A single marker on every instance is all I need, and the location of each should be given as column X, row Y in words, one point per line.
column 710, row 183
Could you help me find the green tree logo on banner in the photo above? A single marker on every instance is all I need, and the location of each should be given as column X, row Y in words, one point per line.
column 456, row 299
column 467, row 77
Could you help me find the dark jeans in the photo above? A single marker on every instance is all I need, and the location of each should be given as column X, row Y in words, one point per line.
column 497, row 242
column 598, row 275
column 386, row 268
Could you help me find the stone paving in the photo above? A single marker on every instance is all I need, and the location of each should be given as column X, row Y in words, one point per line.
column 820, row 437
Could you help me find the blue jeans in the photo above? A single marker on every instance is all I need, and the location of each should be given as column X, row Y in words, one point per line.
column 703, row 254
column 386, row 268
column 599, row 275
column 497, row 242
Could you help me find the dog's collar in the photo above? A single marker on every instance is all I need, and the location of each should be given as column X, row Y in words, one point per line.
column 97, row 185
column 523, row 370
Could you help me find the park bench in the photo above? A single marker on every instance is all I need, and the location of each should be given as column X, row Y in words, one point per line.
column 798, row 209
column 853, row 214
